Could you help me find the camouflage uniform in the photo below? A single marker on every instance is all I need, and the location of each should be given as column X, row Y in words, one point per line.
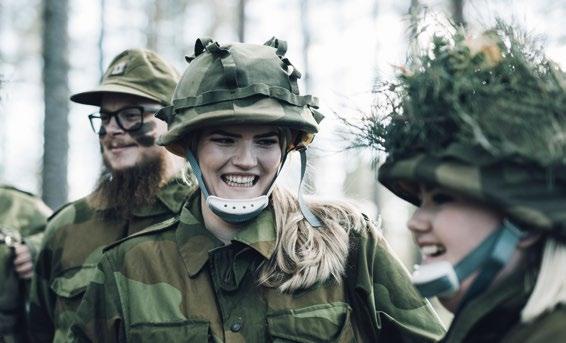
column 22, row 216
column 193, row 288
column 77, row 233
column 494, row 316
column 74, row 239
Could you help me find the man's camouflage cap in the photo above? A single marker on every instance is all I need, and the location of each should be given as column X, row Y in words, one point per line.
column 137, row 72
column 484, row 118
column 238, row 84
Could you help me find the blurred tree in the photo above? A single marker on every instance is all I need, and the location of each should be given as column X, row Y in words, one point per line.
column 414, row 10
column 154, row 19
column 241, row 20
column 101, row 35
column 306, row 34
column 56, row 99
column 458, row 12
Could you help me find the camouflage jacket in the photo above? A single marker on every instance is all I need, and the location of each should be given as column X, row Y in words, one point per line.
column 71, row 249
column 495, row 316
column 21, row 216
column 176, row 282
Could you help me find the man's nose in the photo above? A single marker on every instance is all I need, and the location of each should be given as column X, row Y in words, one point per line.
column 112, row 127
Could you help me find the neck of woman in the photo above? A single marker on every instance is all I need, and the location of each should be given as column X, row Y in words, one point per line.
column 219, row 228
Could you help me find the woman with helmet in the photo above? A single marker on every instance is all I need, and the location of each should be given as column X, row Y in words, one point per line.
column 475, row 136
column 247, row 260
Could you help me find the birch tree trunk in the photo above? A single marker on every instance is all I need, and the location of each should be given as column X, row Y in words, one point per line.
column 56, row 98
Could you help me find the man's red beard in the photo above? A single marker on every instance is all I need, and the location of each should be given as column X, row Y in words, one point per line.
column 119, row 192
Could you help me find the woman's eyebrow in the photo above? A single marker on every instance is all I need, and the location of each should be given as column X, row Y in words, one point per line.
column 268, row 134
column 224, row 133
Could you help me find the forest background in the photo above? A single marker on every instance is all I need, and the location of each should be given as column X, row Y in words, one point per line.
column 50, row 49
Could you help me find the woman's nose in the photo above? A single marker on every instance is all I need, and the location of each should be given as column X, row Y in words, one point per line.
column 245, row 157
column 420, row 221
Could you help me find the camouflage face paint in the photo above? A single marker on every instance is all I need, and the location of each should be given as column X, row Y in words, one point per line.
column 143, row 136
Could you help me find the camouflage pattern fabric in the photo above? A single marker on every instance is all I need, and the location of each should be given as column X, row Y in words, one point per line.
column 236, row 84
column 176, row 282
column 74, row 239
column 523, row 192
column 22, row 216
column 494, row 316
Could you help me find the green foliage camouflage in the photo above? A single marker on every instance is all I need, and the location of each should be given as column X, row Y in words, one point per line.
column 482, row 117
column 497, row 93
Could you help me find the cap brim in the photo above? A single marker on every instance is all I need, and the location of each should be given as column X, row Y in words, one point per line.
column 94, row 97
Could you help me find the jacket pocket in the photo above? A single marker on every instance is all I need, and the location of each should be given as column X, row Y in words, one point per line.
column 318, row 323
column 184, row 331
column 72, row 283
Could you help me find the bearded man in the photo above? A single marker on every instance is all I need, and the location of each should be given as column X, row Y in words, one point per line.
column 138, row 187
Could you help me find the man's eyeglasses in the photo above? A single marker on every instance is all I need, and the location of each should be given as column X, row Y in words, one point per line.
column 128, row 118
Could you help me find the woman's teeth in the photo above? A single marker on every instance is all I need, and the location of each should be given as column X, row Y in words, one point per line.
column 433, row 250
column 239, row 181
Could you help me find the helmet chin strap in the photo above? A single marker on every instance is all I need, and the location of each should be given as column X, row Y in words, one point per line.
column 493, row 253
column 236, row 211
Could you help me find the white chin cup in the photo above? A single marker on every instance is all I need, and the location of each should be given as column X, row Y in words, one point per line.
column 436, row 279
column 237, row 210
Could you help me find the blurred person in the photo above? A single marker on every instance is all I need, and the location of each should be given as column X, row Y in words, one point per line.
column 22, row 221
column 139, row 186
column 475, row 135
column 247, row 260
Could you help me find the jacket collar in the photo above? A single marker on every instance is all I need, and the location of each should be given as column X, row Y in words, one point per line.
column 195, row 241
column 169, row 199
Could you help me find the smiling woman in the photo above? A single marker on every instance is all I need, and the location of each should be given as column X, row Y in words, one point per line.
column 247, row 260
column 474, row 133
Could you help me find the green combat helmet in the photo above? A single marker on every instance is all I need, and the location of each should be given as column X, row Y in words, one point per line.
column 137, row 72
column 240, row 84
column 484, row 118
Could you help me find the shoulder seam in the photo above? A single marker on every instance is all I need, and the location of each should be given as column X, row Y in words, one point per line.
column 158, row 227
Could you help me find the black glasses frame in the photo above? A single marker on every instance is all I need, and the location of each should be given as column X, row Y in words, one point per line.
column 143, row 110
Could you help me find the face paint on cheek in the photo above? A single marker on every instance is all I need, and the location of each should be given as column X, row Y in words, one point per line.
column 143, row 136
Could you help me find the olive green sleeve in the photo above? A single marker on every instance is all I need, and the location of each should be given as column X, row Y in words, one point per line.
column 99, row 317
column 383, row 297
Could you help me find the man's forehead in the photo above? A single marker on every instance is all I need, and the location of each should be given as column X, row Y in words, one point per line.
column 113, row 101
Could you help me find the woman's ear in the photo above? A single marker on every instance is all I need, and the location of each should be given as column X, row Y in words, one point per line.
column 529, row 240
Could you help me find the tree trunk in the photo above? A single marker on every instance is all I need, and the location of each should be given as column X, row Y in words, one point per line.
column 306, row 34
column 241, row 20
column 101, row 35
column 56, row 98
column 458, row 12
column 153, row 22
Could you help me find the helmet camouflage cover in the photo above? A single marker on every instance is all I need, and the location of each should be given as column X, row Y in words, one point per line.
column 484, row 118
column 238, row 84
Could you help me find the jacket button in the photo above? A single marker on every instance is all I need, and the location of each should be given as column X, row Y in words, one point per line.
column 236, row 327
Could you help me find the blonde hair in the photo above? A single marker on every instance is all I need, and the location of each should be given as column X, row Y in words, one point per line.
column 550, row 287
column 305, row 255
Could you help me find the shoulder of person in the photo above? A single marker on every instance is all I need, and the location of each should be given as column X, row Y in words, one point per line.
column 70, row 212
column 67, row 215
column 548, row 327
column 148, row 233
column 24, row 196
